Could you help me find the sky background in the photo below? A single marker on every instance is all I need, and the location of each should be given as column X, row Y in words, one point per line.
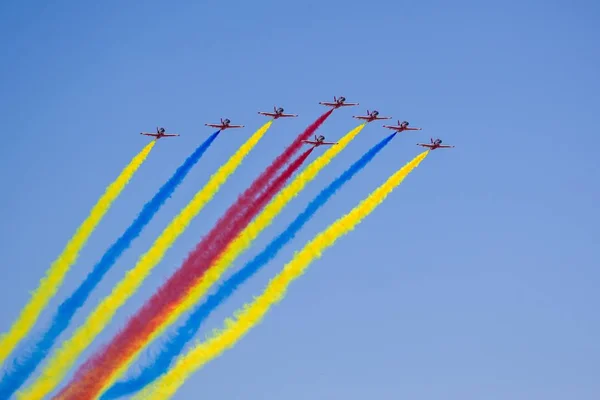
column 476, row 279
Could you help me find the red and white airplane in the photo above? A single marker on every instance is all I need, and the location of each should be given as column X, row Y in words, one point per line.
column 371, row 116
column 402, row 127
column 319, row 141
column 337, row 103
column 225, row 124
column 160, row 132
column 437, row 144
column 277, row 113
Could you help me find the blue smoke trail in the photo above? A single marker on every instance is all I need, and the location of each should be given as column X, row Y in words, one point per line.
column 24, row 367
column 175, row 344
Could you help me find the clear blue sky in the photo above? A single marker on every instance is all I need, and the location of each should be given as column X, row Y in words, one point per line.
column 477, row 279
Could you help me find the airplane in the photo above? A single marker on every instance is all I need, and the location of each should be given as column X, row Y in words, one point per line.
column 319, row 141
column 337, row 103
column 277, row 113
column 437, row 144
column 160, row 132
column 402, row 127
column 225, row 124
column 371, row 116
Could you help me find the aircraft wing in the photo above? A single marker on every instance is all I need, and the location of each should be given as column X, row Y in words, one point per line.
column 268, row 114
column 361, row 117
column 288, row 115
column 413, row 129
column 310, row 142
column 327, row 103
column 445, row 146
column 328, row 142
column 235, row 126
column 349, row 104
column 382, row 118
column 215, row 126
column 170, row 134
column 396, row 128
column 426, row 145
column 149, row 134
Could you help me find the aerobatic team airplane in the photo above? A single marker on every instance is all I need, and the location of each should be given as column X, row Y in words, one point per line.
column 277, row 113
column 225, row 124
column 337, row 103
column 402, row 127
column 371, row 116
column 319, row 141
column 435, row 145
column 160, row 132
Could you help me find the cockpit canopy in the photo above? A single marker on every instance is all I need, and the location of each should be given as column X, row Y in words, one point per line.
column 342, row 99
column 226, row 121
column 161, row 130
column 280, row 110
column 375, row 113
column 321, row 137
column 405, row 123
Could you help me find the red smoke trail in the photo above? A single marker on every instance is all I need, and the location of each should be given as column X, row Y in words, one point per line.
column 93, row 375
column 293, row 148
column 235, row 212
column 268, row 174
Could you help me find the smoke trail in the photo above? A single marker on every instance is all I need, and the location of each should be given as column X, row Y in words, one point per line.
column 292, row 149
column 50, row 283
column 263, row 179
column 251, row 314
column 224, row 229
column 65, row 356
column 175, row 344
column 244, row 239
column 92, row 376
column 235, row 212
column 24, row 367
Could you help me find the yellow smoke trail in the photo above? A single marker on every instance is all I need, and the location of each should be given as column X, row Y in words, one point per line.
column 65, row 357
column 50, row 283
column 243, row 241
column 251, row 314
